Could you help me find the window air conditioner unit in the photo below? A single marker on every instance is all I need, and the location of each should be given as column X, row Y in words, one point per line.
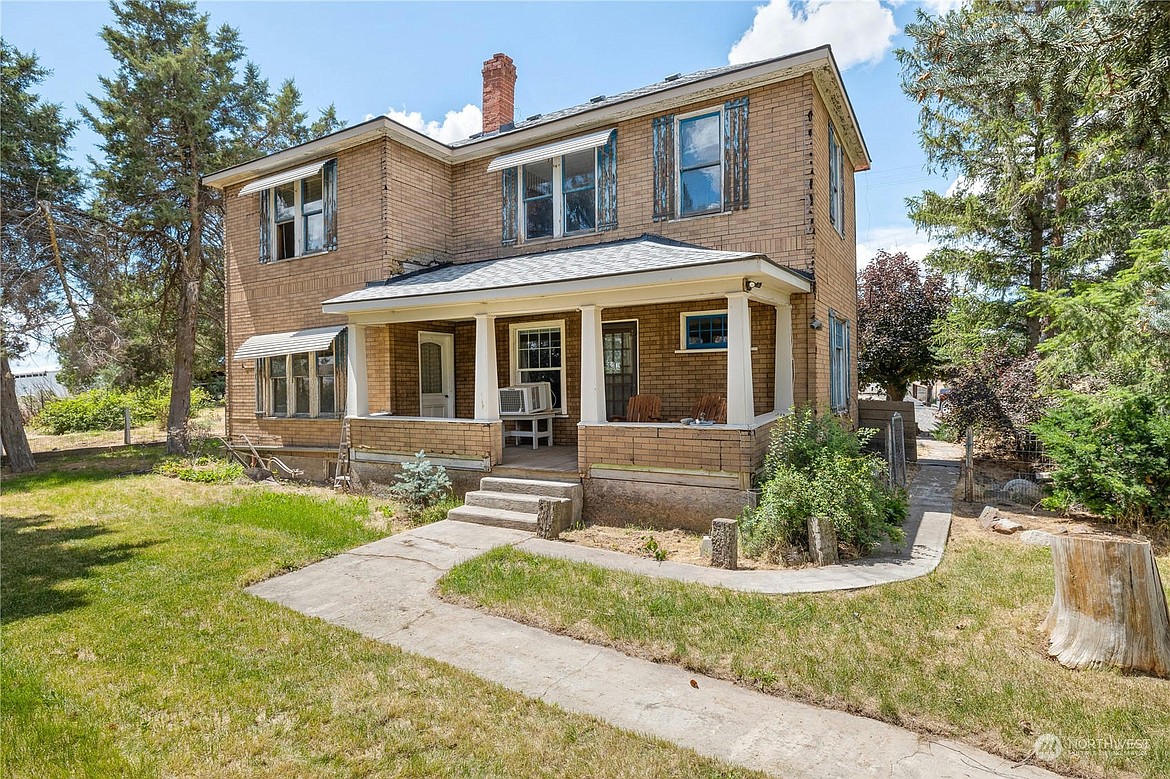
column 526, row 398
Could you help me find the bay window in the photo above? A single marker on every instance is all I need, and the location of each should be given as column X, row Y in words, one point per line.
column 304, row 384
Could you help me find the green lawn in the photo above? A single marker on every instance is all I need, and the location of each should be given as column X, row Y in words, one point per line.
column 954, row 653
column 129, row 649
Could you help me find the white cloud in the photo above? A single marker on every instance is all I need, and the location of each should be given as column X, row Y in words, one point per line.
column 858, row 31
column 456, row 125
column 893, row 239
column 940, row 7
column 966, row 186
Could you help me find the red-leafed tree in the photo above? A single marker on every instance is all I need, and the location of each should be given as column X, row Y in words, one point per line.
column 897, row 310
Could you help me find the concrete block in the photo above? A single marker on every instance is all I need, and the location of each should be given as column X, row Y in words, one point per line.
column 553, row 516
column 724, row 543
column 822, row 541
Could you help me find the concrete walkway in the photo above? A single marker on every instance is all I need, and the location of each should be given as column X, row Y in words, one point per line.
column 927, row 527
column 384, row 590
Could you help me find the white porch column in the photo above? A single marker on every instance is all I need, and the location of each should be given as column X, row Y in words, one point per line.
column 784, row 365
column 740, row 405
column 357, row 390
column 592, row 368
column 487, row 381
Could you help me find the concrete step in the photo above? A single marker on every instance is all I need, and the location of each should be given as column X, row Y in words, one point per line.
column 509, row 501
column 482, row 515
column 551, row 489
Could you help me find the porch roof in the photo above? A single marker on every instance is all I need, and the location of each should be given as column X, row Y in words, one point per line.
column 626, row 260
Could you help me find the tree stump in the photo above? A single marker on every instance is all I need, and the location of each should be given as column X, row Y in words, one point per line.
column 1109, row 607
column 822, row 541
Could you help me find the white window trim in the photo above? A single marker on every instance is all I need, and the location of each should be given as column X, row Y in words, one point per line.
column 558, row 201
column 298, row 218
column 678, row 120
column 265, row 403
column 513, row 355
column 682, row 332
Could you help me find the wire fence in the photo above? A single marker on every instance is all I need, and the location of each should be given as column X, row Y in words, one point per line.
column 1015, row 470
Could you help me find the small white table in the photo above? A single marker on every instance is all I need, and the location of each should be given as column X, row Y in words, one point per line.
column 535, row 433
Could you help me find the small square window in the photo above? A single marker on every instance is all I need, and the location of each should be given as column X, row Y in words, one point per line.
column 705, row 330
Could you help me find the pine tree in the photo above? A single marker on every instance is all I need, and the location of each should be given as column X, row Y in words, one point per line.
column 182, row 102
column 35, row 182
column 1036, row 108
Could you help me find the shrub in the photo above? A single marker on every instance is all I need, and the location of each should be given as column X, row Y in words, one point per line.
column 815, row 467
column 1111, row 453
column 97, row 409
column 997, row 396
column 101, row 409
column 205, row 470
column 421, row 484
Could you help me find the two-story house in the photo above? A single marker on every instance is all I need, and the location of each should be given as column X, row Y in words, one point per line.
column 688, row 241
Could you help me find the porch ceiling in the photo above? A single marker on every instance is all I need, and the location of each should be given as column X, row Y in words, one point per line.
column 649, row 263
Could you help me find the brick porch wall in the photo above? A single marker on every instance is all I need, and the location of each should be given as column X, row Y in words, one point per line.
column 715, row 449
column 440, row 438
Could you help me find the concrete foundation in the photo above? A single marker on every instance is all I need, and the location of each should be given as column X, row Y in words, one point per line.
column 662, row 506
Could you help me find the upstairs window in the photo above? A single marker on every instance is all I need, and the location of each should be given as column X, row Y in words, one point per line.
column 560, row 189
column 836, row 191
column 700, row 164
column 298, row 211
column 560, row 195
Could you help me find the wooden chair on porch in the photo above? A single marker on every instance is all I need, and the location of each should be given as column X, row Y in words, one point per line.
column 712, row 407
column 642, row 408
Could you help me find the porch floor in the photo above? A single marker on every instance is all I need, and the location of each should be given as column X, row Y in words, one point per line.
column 545, row 458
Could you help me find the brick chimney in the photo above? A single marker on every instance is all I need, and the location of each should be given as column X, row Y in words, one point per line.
column 499, row 92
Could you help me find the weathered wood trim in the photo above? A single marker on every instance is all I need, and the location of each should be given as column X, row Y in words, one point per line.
column 509, row 206
column 735, row 154
column 265, row 226
column 607, row 207
column 664, row 175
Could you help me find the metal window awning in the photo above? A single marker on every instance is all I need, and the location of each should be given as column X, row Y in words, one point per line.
column 580, row 143
column 277, row 179
column 274, row 344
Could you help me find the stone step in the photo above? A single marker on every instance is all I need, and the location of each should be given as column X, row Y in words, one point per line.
column 509, row 501
column 482, row 515
column 552, row 489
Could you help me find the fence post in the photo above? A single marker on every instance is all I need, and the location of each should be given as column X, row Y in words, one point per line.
column 897, row 437
column 969, row 468
column 126, row 426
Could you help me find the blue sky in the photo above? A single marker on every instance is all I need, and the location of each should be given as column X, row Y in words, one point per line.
column 422, row 61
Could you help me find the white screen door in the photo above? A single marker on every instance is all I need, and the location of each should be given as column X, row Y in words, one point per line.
column 436, row 374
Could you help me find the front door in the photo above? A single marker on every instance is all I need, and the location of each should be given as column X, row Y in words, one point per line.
column 620, row 355
column 436, row 374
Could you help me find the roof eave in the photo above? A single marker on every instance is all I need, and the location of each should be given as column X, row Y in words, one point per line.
column 785, row 279
column 812, row 61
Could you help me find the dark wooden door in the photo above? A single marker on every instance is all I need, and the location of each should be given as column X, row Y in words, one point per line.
column 620, row 355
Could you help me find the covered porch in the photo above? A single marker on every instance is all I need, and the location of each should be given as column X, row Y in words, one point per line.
column 428, row 353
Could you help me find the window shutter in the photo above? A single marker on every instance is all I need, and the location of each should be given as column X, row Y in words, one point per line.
column 664, row 182
column 261, row 405
column 509, row 212
column 735, row 154
column 329, row 206
column 265, row 226
column 834, row 180
column 607, row 184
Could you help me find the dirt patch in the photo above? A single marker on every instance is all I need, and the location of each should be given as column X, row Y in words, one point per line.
column 680, row 546
column 966, row 523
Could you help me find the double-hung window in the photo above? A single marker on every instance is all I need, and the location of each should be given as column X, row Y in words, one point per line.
column 836, row 190
column 304, row 384
column 560, row 195
column 298, row 211
column 839, row 363
column 538, row 355
column 700, row 164
column 298, row 218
